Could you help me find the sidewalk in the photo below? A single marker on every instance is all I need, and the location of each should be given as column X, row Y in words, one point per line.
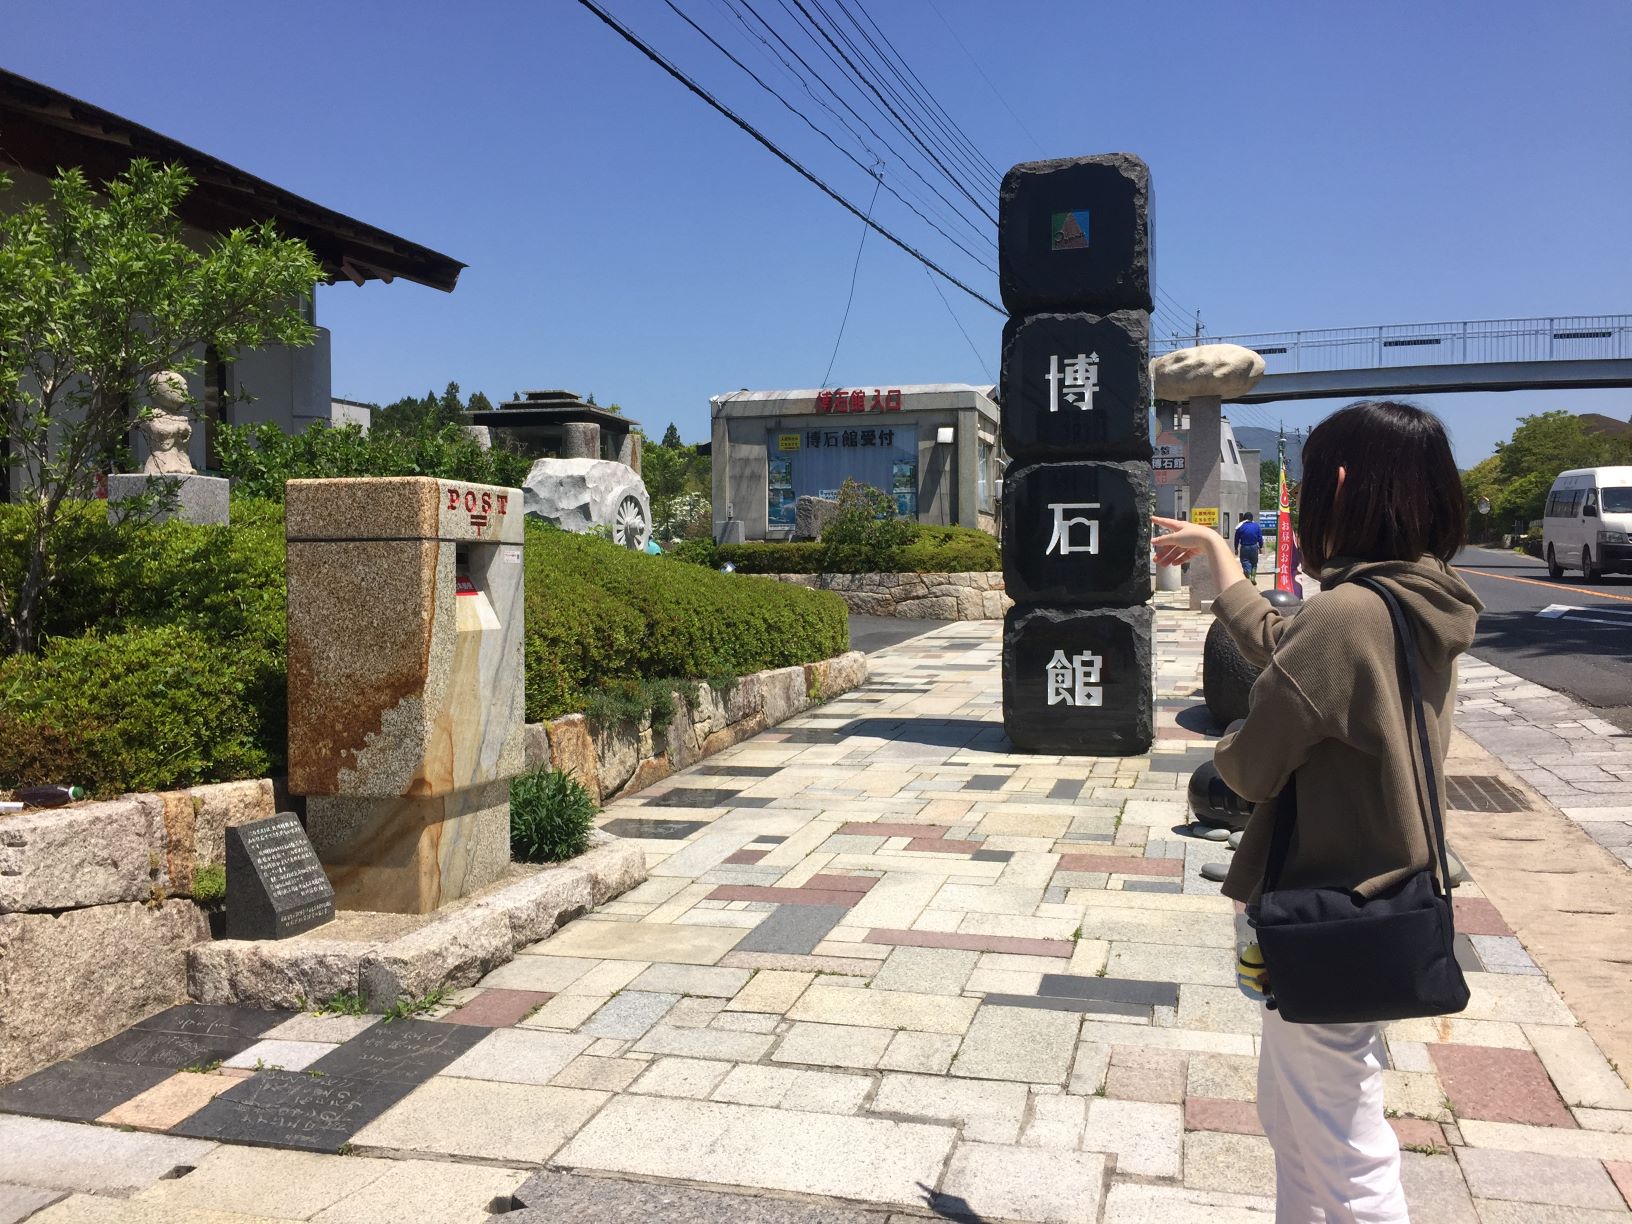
column 883, row 970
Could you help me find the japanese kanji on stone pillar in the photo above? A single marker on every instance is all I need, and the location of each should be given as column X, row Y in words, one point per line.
column 1074, row 261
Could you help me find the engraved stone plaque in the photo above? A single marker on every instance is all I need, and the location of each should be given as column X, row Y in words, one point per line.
column 275, row 885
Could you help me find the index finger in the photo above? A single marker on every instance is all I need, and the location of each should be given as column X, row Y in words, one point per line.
column 1170, row 524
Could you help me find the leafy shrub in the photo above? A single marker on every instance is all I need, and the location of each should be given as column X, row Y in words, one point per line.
column 948, row 550
column 142, row 709
column 775, row 557
column 928, row 550
column 164, row 663
column 633, row 701
column 551, row 815
column 864, row 530
column 260, row 458
column 701, row 551
column 210, row 884
column 598, row 614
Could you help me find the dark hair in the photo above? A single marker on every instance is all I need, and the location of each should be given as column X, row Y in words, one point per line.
column 1402, row 494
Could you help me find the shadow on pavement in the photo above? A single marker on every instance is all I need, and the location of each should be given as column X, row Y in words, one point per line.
column 933, row 733
column 870, row 633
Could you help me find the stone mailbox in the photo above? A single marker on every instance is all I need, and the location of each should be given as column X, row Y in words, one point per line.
column 405, row 683
column 1074, row 265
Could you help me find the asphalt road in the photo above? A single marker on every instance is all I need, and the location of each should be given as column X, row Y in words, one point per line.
column 1583, row 646
column 870, row 633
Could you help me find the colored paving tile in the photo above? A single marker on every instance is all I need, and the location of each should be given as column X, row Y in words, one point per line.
column 1476, row 916
column 1495, row 1085
column 784, row 896
column 1122, row 864
column 498, row 1008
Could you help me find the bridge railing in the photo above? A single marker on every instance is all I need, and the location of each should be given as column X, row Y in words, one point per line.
column 1560, row 338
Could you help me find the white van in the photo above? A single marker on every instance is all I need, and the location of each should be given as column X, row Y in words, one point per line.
column 1587, row 522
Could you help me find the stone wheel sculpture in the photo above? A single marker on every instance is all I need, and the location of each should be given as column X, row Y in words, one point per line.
column 629, row 525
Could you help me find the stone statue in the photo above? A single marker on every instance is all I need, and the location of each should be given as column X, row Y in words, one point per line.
column 169, row 429
column 1219, row 370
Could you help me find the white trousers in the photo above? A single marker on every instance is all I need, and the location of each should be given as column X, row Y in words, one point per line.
column 1320, row 1098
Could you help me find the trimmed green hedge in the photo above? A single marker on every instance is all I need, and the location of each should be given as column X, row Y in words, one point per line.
column 932, row 550
column 164, row 662
column 598, row 614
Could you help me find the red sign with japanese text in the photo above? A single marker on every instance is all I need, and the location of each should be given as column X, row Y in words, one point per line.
column 856, row 401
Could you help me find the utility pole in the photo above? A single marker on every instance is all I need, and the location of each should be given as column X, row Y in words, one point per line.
column 1198, row 327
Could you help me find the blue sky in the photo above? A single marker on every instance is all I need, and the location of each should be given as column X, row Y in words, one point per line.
column 1314, row 166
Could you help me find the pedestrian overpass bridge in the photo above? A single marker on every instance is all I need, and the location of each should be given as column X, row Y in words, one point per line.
column 1422, row 358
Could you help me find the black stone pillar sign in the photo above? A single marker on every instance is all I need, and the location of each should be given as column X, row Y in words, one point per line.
column 1077, row 384
column 1077, row 532
column 1074, row 252
column 275, row 885
column 1075, row 676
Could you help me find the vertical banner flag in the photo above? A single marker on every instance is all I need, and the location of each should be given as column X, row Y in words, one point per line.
column 1285, row 578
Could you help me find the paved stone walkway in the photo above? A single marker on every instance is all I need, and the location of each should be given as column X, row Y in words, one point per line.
column 1578, row 762
column 882, row 970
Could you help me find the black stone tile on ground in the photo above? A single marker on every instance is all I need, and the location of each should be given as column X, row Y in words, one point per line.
column 653, row 830
column 401, row 1052
column 1104, row 1007
column 793, row 928
column 550, row 1197
column 986, row 782
column 142, row 1047
column 1153, row 886
column 1120, row 990
column 694, row 796
column 743, row 771
column 79, row 1090
column 216, row 1020
column 992, row 856
column 295, row 1109
column 1067, row 788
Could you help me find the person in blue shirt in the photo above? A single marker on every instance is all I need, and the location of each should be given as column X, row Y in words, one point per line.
column 1249, row 538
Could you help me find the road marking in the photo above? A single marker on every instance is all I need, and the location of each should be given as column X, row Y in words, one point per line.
column 1562, row 612
column 1556, row 586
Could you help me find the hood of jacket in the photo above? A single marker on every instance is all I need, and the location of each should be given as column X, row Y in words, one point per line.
column 1443, row 608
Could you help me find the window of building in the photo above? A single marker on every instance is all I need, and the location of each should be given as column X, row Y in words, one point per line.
column 813, row 458
column 985, row 456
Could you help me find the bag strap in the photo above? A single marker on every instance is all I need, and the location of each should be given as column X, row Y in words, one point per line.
column 1407, row 644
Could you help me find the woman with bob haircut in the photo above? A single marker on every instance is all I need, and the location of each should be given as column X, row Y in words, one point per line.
column 1381, row 498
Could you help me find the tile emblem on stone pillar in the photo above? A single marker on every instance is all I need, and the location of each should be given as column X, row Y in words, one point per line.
column 1075, row 234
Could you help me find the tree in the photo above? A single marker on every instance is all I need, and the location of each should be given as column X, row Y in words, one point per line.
column 479, row 403
column 97, row 293
column 671, row 436
column 1552, row 442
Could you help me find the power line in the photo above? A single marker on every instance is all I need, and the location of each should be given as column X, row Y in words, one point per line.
column 986, row 78
column 959, row 324
column 929, row 104
column 955, row 210
column 634, row 40
column 912, row 135
column 878, row 182
column 824, row 135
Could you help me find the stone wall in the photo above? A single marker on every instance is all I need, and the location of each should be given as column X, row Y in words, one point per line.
column 621, row 760
column 95, row 920
column 973, row 596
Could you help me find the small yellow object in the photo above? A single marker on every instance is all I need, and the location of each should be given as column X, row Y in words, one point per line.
column 1251, row 975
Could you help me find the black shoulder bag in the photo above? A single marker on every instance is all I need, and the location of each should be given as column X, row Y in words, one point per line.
column 1335, row 957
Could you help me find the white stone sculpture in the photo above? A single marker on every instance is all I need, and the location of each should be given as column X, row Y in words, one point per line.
column 1221, row 370
column 582, row 494
column 168, row 430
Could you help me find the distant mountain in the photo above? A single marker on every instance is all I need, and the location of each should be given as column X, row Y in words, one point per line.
column 1248, row 437
column 1598, row 423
